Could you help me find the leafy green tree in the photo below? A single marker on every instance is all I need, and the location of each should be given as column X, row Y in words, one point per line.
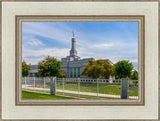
column 62, row 75
column 134, row 75
column 50, row 66
column 25, row 69
column 123, row 69
column 98, row 69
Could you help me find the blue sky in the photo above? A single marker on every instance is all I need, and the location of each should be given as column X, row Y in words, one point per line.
column 100, row 40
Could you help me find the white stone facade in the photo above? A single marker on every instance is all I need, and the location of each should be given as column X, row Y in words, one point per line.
column 72, row 65
column 74, row 68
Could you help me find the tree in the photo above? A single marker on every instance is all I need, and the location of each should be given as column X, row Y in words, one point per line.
column 62, row 75
column 134, row 75
column 98, row 69
column 123, row 69
column 25, row 69
column 49, row 66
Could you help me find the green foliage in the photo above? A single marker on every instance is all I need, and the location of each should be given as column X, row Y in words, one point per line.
column 98, row 69
column 62, row 75
column 123, row 69
column 134, row 75
column 25, row 69
column 36, row 75
column 50, row 66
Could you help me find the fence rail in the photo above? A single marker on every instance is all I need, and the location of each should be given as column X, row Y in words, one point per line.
column 81, row 88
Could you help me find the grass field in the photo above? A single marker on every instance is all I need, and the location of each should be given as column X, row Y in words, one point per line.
column 34, row 95
column 103, row 88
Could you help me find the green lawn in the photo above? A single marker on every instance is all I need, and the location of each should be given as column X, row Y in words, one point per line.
column 39, row 95
column 113, row 89
column 103, row 89
column 34, row 95
column 85, row 96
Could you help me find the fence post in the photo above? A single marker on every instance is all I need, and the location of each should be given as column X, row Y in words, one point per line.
column 124, row 88
column 34, row 82
column 25, row 82
column 28, row 81
column 53, row 85
column 97, row 87
column 63, row 85
column 44, row 82
column 79, row 87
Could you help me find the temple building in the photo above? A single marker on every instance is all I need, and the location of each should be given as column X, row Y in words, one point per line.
column 33, row 72
column 73, row 65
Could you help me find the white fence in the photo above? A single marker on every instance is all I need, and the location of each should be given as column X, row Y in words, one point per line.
column 81, row 88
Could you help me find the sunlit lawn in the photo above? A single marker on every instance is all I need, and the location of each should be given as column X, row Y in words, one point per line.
column 39, row 95
column 34, row 95
column 103, row 88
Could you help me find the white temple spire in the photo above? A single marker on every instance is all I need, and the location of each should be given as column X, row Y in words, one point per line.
column 73, row 51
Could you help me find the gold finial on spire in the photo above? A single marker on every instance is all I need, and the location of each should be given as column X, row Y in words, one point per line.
column 73, row 33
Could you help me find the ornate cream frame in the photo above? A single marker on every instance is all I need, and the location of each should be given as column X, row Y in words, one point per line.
column 147, row 9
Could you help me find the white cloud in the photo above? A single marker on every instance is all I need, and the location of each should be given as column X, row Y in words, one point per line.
column 34, row 42
column 134, row 60
column 98, row 51
column 102, row 45
column 110, row 48
column 31, row 41
column 34, row 56
column 47, row 31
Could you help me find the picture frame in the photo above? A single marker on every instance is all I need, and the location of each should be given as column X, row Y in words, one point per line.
column 20, row 19
column 149, row 53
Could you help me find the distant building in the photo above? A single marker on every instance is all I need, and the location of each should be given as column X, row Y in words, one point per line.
column 33, row 72
column 72, row 65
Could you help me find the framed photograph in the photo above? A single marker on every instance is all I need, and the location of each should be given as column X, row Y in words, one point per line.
column 86, row 80
column 80, row 60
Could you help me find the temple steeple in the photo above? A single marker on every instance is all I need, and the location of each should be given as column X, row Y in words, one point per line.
column 73, row 33
column 73, row 51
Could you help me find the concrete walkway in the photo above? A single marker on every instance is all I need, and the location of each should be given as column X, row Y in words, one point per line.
column 76, row 92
